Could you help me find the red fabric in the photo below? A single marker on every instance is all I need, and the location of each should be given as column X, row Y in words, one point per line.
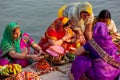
column 55, row 31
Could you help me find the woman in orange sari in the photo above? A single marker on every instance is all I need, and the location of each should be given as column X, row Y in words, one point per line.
column 59, row 33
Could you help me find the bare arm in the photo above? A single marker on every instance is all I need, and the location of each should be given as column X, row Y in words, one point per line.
column 79, row 51
column 16, row 55
column 23, row 55
column 88, row 31
column 56, row 42
column 60, row 41
column 37, row 49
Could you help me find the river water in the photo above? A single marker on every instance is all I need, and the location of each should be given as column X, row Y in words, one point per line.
column 35, row 16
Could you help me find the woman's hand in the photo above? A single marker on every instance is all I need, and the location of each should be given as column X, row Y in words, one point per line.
column 41, row 52
column 82, row 38
column 38, row 49
column 66, row 37
column 79, row 51
column 35, row 57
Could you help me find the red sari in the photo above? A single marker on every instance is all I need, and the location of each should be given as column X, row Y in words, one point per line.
column 56, row 32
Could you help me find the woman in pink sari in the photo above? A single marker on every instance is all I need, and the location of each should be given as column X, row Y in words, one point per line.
column 15, row 46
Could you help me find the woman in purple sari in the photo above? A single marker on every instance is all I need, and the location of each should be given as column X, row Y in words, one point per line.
column 102, row 62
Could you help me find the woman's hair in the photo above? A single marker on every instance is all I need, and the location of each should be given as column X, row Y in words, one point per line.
column 67, row 24
column 104, row 14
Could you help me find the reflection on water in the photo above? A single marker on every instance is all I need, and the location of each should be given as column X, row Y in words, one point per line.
column 34, row 16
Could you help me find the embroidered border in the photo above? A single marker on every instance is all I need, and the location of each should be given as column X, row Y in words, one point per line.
column 103, row 54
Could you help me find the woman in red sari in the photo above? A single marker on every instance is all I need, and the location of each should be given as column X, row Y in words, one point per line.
column 59, row 33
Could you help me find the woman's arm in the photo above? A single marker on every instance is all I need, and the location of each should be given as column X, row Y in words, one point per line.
column 16, row 55
column 37, row 48
column 88, row 31
column 23, row 55
column 56, row 42
column 60, row 41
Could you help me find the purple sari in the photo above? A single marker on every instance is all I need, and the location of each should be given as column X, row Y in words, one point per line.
column 93, row 65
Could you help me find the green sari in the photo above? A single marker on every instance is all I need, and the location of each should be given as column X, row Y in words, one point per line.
column 8, row 43
column 22, row 44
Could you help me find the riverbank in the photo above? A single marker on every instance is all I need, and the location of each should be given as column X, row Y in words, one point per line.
column 54, row 75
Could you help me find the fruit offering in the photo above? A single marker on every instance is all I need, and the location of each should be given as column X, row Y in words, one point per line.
column 42, row 67
column 10, row 69
column 25, row 75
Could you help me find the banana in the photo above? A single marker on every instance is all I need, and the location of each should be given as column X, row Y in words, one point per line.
column 10, row 68
column 16, row 68
column 14, row 71
column 19, row 66
column 0, row 66
column 3, row 70
column 7, row 70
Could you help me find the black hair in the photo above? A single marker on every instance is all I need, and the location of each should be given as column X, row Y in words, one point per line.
column 104, row 14
column 67, row 24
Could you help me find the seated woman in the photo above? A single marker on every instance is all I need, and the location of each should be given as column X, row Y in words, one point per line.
column 105, row 16
column 81, row 16
column 102, row 61
column 15, row 46
column 59, row 33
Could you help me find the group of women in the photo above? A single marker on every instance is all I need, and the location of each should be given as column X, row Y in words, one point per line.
column 76, row 32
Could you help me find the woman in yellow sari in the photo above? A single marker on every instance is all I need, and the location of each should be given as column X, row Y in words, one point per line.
column 59, row 33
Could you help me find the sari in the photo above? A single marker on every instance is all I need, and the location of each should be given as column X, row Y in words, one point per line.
column 102, row 62
column 73, row 10
column 56, row 32
column 22, row 44
column 110, row 24
column 82, row 27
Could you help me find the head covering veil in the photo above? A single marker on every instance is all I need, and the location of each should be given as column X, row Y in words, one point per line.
column 7, row 43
